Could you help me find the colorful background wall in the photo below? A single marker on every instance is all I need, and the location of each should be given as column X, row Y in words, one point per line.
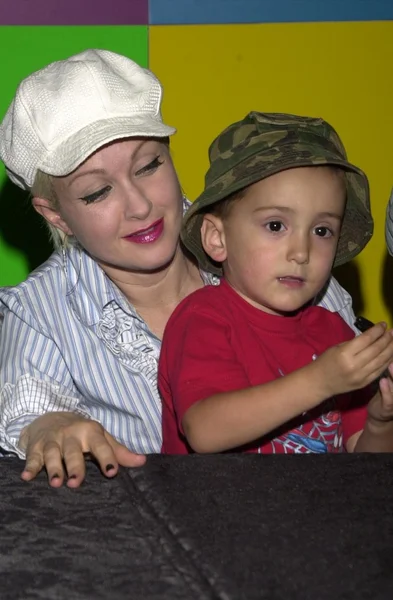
column 219, row 59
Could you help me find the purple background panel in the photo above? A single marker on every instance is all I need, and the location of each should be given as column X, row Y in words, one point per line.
column 74, row 12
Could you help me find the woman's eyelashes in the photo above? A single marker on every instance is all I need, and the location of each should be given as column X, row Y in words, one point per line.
column 150, row 167
column 103, row 192
column 98, row 195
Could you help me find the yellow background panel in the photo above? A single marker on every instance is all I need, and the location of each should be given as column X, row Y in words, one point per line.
column 215, row 74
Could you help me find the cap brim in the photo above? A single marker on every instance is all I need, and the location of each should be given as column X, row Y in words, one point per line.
column 73, row 151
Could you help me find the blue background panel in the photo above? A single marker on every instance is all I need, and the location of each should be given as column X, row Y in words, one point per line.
column 184, row 12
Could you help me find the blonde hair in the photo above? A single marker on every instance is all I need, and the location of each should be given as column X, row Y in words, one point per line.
column 43, row 188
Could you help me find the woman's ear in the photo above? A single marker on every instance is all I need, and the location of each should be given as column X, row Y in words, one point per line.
column 51, row 215
column 213, row 238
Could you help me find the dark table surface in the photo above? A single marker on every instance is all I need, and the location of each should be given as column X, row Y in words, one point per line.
column 227, row 527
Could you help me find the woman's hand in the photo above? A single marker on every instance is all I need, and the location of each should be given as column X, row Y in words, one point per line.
column 59, row 442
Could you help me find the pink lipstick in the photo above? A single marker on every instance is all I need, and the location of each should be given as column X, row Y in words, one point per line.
column 148, row 234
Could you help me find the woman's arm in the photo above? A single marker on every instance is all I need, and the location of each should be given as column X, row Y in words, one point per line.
column 42, row 417
column 337, row 299
column 34, row 378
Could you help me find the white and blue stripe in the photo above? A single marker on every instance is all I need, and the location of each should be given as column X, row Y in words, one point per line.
column 70, row 341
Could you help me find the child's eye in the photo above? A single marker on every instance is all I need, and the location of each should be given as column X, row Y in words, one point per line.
column 152, row 166
column 323, row 232
column 98, row 195
column 275, row 226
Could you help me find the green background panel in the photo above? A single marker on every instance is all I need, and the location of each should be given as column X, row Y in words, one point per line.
column 23, row 239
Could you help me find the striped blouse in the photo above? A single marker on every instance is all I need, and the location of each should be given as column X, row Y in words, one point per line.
column 70, row 341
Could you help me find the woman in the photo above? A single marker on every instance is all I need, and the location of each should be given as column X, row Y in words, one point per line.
column 81, row 336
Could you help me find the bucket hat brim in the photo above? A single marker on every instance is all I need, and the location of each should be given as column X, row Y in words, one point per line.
column 357, row 225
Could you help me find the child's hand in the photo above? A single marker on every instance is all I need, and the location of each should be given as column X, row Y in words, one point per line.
column 354, row 364
column 380, row 408
column 377, row 435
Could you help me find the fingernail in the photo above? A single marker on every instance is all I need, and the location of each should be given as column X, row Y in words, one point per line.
column 55, row 476
column 109, row 467
column 72, row 477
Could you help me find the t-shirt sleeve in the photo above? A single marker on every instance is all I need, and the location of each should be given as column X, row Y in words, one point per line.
column 197, row 359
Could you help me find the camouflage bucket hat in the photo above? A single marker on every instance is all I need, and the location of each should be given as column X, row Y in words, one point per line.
column 263, row 144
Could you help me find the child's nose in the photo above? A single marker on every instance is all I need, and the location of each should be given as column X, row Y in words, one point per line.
column 299, row 249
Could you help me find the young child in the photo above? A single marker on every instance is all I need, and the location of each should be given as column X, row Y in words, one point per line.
column 252, row 364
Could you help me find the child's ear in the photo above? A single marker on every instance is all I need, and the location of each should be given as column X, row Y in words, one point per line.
column 213, row 238
column 45, row 209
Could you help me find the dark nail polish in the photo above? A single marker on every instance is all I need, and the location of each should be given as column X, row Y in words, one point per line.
column 72, row 477
column 55, row 476
column 109, row 467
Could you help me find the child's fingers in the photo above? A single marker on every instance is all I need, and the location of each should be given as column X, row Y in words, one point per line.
column 376, row 356
column 386, row 388
column 369, row 337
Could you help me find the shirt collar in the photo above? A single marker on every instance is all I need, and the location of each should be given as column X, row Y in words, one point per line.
column 89, row 289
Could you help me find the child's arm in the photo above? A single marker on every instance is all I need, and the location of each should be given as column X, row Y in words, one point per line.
column 230, row 419
column 226, row 420
column 377, row 435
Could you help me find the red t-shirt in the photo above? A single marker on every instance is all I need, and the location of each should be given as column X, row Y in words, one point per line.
column 215, row 342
